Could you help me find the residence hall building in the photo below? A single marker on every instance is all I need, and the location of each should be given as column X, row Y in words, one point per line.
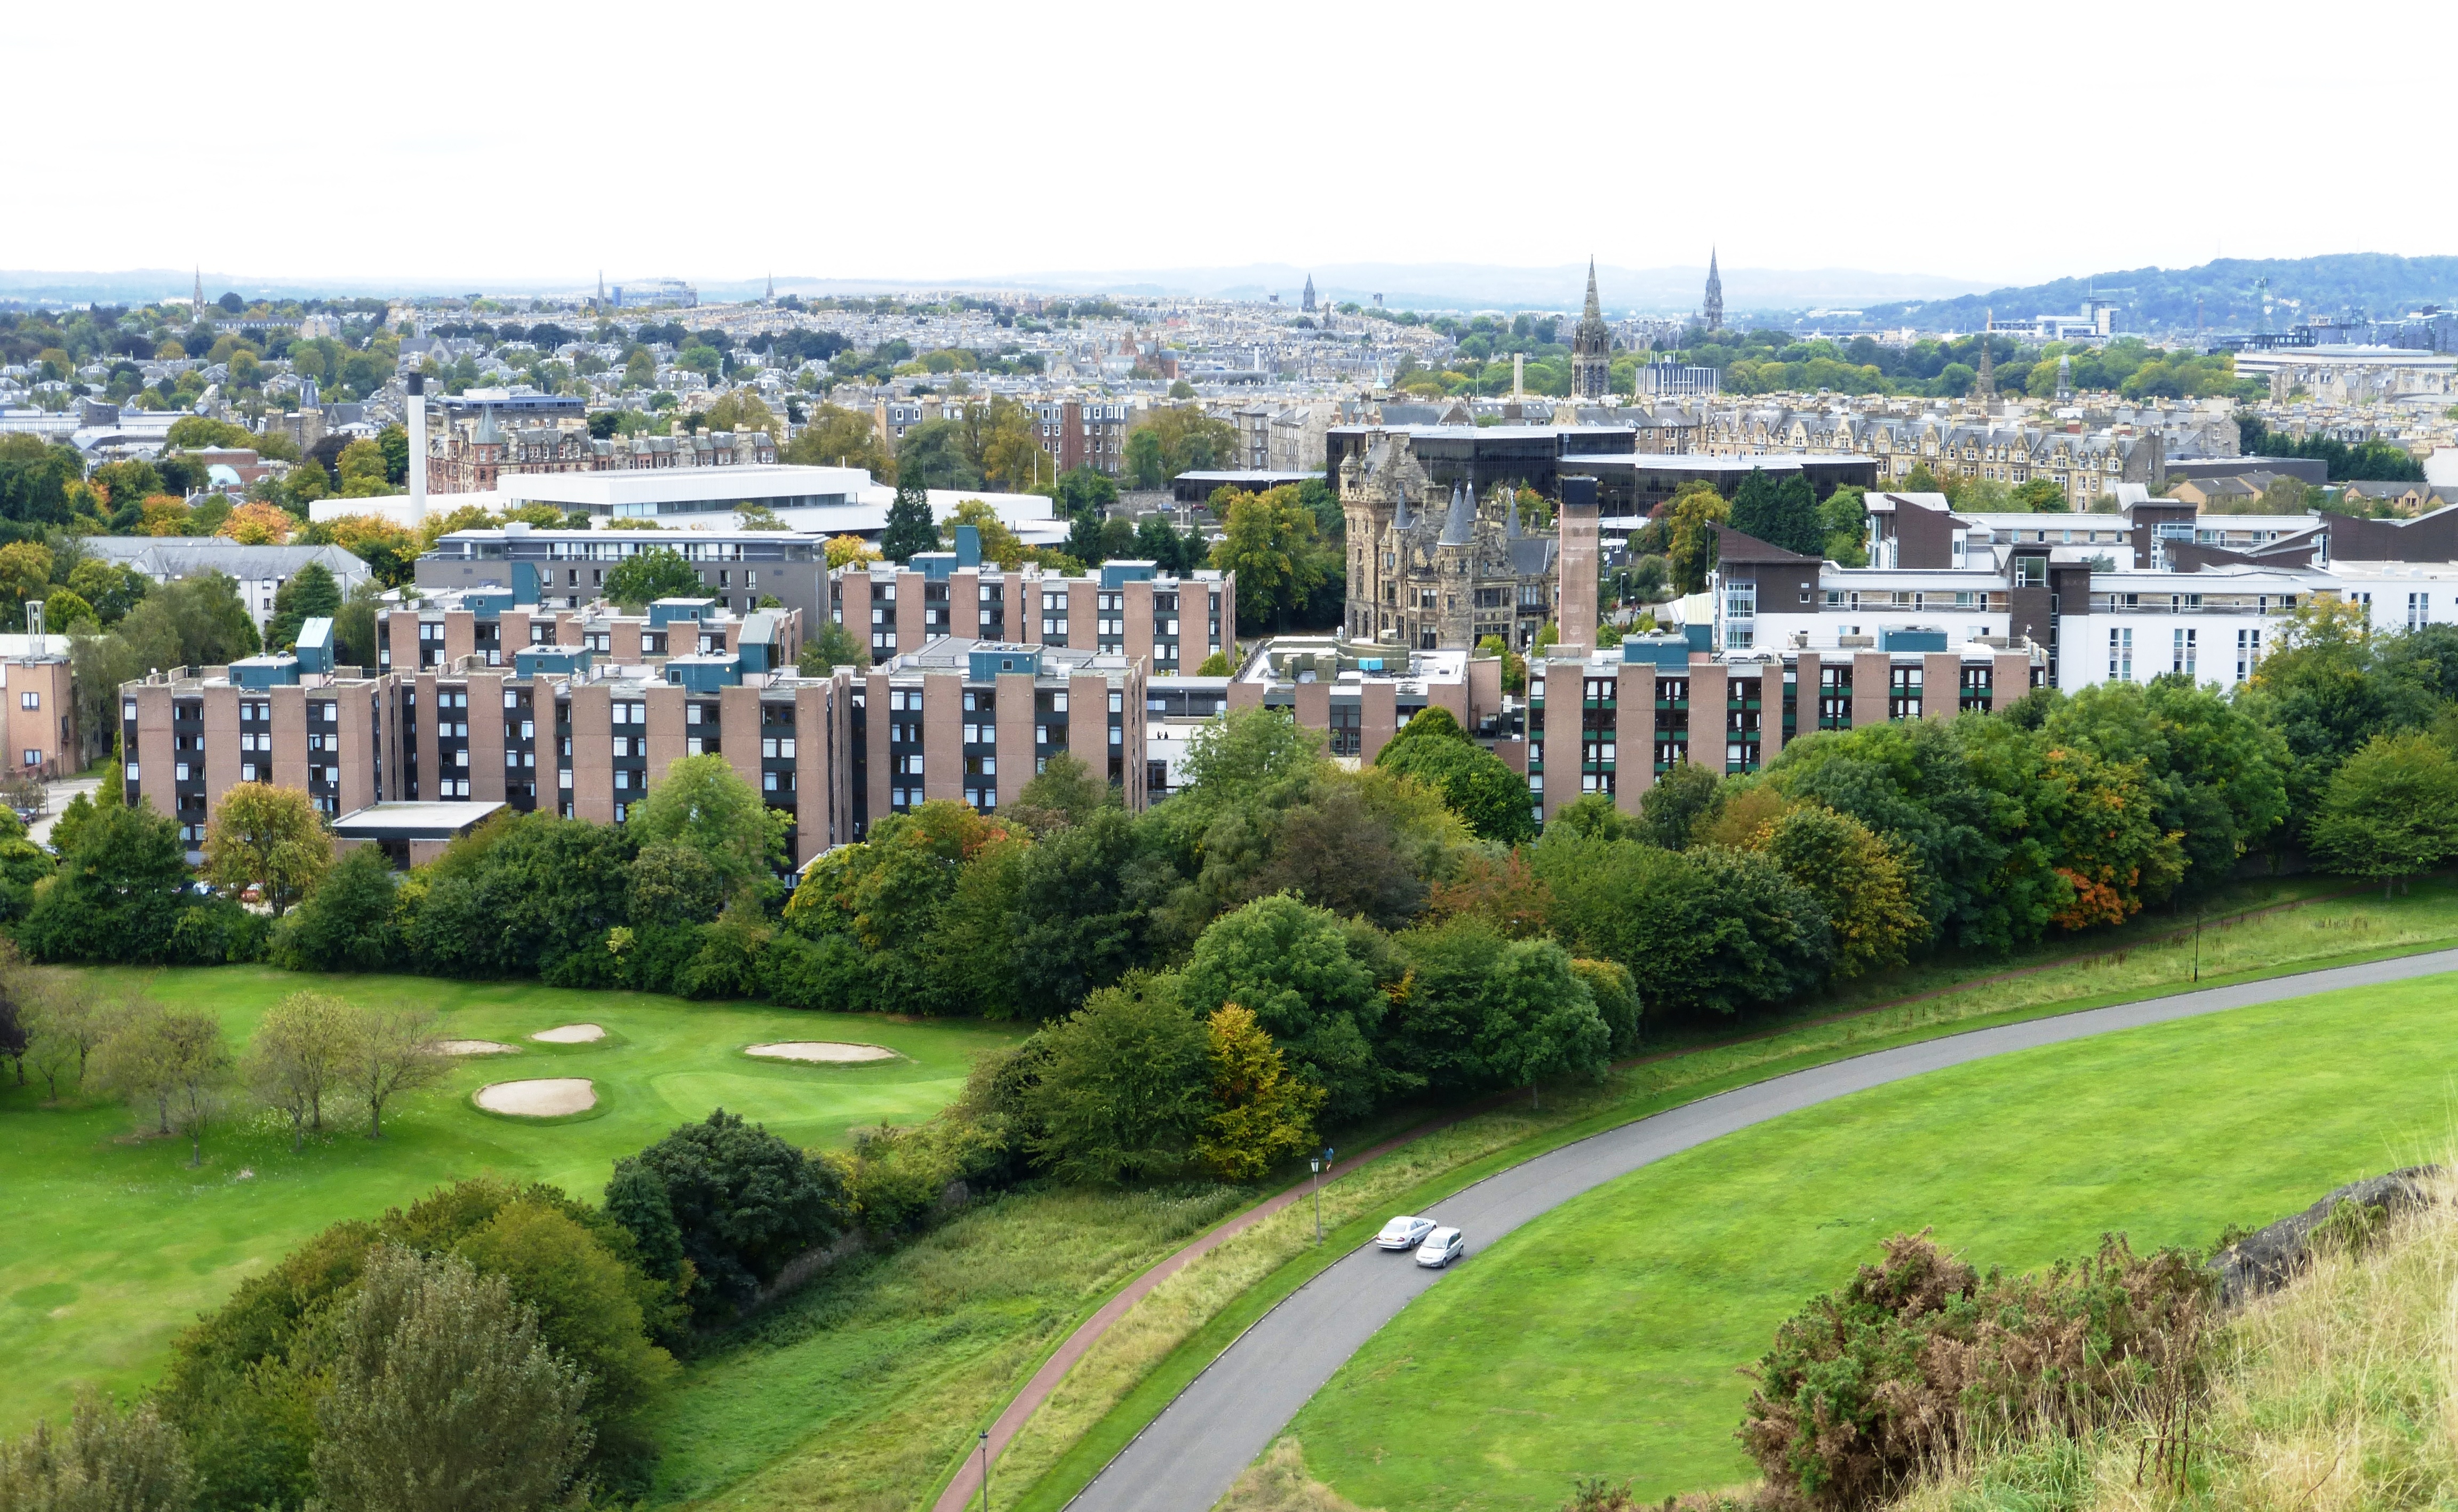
column 580, row 715
column 1121, row 608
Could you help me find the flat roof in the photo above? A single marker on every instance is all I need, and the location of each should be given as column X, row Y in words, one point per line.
column 1685, row 461
column 620, row 486
column 414, row 822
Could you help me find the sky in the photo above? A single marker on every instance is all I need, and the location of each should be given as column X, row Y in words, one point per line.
column 947, row 142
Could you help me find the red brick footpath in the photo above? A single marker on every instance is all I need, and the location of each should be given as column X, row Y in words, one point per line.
column 968, row 1482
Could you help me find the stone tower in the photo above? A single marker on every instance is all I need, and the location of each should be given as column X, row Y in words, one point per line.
column 1712, row 311
column 1590, row 347
column 1307, row 299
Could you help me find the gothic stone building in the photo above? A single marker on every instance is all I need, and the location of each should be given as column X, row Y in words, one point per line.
column 1436, row 570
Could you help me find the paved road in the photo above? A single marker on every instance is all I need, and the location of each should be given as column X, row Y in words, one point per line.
column 1190, row 1454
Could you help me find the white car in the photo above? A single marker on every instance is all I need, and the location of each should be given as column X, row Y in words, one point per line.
column 1404, row 1234
column 1441, row 1247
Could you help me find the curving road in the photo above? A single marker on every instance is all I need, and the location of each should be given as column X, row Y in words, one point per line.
column 1189, row 1455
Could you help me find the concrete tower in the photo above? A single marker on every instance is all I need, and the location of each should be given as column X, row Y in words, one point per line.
column 1712, row 311
column 1590, row 347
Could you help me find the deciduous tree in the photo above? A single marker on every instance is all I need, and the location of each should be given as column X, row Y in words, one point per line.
column 303, row 1047
column 394, row 1051
column 2391, row 810
column 1262, row 1114
column 659, row 572
column 444, row 1397
column 269, row 838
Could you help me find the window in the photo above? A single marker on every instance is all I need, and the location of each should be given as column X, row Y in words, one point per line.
column 2031, row 571
column 30, row 700
column 2419, row 614
column 2121, row 655
column 2248, row 653
column 2180, row 655
column 33, row 757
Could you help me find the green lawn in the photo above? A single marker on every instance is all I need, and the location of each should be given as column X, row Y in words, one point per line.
column 1604, row 1339
column 111, row 1244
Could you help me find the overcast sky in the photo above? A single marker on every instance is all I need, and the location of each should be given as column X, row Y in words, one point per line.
column 944, row 140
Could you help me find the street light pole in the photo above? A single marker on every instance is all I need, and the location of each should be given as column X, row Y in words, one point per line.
column 986, row 1470
column 1315, row 1166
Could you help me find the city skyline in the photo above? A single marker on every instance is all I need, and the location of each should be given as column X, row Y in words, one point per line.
column 1849, row 157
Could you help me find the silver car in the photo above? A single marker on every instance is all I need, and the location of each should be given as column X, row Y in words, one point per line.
column 1404, row 1234
column 1441, row 1247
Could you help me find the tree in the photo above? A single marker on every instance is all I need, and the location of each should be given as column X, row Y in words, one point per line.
column 1477, row 1010
column 173, row 1062
column 999, row 543
column 1864, row 884
column 394, row 1051
column 846, row 551
column 1143, row 462
column 1671, row 810
column 1084, row 539
column 1262, row 1114
column 1690, row 546
column 659, row 572
column 269, row 838
column 1515, row 667
column 1476, row 784
column 1268, row 540
column 444, row 1397
column 589, row 1313
column 1290, row 965
column 932, row 455
column 310, row 594
column 1064, row 792
column 834, row 646
column 909, row 528
column 2391, row 811
column 344, row 923
column 1189, row 440
column 724, row 1204
column 118, row 893
column 837, row 437
column 109, row 1460
column 1125, row 1084
column 24, row 573
column 1084, row 489
column 701, row 804
column 1078, row 920
column 302, row 1048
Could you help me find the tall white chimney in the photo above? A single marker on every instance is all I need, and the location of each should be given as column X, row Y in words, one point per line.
column 417, row 385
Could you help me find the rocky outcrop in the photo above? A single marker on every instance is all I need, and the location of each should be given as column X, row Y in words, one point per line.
column 2265, row 1261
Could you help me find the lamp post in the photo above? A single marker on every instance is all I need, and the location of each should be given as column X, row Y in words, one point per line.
column 2197, row 941
column 986, row 1470
column 1315, row 1165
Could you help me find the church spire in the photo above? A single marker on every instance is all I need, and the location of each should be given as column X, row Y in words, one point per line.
column 199, row 295
column 1591, row 346
column 1714, row 309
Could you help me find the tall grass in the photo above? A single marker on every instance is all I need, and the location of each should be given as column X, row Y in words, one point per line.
column 2337, row 1394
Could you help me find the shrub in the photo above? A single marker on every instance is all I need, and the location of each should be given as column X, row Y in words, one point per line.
column 733, row 1200
column 1918, row 1353
column 1616, row 994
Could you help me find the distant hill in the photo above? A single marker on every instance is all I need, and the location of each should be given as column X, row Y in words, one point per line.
column 2365, row 284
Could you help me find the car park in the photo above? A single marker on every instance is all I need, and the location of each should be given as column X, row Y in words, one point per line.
column 1441, row 1247
column 1405, row 1232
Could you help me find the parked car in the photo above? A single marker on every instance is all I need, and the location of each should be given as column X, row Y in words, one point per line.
column 1405, row 1232
column 1441, row 1247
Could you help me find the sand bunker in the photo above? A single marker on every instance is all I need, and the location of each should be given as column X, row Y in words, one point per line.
column 474, row 1047
column 549, row 1097
column 570, row 1035
column 818, row 1051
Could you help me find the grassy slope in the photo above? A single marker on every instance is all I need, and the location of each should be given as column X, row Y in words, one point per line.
column 112, row 1244
column 2335, row 1393
column 1603, row 1338
column 1159, row 1348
